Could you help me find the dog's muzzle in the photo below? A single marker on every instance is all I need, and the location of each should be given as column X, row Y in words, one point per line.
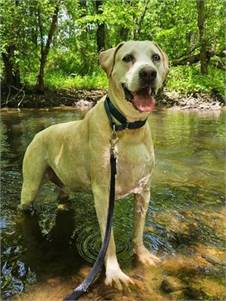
column 143, row 99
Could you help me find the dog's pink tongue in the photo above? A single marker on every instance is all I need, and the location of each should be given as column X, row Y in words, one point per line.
column 143, row 103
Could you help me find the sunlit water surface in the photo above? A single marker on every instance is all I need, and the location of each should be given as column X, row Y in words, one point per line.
column 46, row 255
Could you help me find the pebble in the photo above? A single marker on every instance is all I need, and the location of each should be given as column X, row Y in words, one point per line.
column 195, row 102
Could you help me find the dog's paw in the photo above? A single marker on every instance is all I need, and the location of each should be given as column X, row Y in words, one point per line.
column 115, row 277
column 27, row 209
column 145, row 257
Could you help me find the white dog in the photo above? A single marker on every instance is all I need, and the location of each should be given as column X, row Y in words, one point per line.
column 76, row 154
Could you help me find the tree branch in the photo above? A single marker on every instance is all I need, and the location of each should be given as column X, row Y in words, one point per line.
column 196, row 58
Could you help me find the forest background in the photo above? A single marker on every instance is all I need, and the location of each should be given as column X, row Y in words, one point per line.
column 54, row 44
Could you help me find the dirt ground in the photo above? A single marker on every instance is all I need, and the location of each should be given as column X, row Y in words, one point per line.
column 83, row 99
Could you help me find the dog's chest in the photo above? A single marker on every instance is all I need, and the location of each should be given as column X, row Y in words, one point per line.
column 134, row 167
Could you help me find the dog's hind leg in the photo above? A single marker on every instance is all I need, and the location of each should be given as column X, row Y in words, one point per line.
column 63, row 196
column 34, row 167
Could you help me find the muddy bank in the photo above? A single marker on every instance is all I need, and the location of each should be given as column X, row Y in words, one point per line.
column 52, row 98
column 87, row 98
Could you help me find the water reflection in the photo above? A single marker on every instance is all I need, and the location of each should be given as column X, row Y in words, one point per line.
column 54, row 247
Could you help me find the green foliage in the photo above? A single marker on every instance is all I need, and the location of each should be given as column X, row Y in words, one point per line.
column 183, row 79
column 172, row 23
column 187, row 79
column 58, row 80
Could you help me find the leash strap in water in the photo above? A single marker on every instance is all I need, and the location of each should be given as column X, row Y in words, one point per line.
column 98, row 265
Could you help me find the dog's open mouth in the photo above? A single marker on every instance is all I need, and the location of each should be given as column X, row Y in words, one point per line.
column 143, row 99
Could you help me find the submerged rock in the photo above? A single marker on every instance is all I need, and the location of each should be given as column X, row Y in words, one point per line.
column 206, row 289
column 184, row 264
column 172, row 284
column 15, row 274
column 178, row 295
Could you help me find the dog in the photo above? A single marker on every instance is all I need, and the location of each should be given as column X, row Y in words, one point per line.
column 76, row 154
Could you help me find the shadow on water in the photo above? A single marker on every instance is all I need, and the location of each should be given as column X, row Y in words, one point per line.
column 47, row 254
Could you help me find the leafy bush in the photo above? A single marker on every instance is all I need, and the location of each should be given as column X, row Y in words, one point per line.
column 187, row 79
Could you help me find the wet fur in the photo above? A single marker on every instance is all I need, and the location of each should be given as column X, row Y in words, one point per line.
column 75, row 155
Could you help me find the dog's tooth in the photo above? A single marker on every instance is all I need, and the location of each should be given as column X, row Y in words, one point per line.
column 150, row 92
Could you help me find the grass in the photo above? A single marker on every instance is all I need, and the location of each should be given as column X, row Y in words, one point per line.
column 187, row 79
column 59, row 80
column 183, row 79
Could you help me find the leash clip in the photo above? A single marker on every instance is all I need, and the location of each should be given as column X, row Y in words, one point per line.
column 114, row 140
column 114, row 133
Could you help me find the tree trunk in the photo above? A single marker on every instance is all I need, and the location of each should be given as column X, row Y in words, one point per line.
column 11, row 69
column 45, row 48
column 202, row 36
column 123, row 34
column 100, row 33
column 139, row 22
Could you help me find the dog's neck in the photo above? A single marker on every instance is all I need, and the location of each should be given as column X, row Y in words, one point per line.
column 118, row 121
column 117, row 97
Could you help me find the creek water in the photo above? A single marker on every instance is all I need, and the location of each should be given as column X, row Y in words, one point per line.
column 47, row 254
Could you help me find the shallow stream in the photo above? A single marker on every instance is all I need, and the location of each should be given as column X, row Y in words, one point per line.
column 46, row 255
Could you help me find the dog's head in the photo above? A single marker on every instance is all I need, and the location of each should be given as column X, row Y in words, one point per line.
column 136, row 70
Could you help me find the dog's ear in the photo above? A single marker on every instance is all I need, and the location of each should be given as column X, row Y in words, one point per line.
column 107, row 59
column 165, row 59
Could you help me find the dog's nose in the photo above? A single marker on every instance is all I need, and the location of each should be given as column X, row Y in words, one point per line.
column 147, row 75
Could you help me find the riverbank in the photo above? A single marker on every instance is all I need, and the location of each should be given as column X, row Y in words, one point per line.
column 83, row 99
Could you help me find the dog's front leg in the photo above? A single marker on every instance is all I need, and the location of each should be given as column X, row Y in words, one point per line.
column 140, row 210
column 114, row 274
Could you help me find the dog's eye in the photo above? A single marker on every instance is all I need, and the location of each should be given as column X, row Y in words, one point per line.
column 155, row 57
column 128, row 58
